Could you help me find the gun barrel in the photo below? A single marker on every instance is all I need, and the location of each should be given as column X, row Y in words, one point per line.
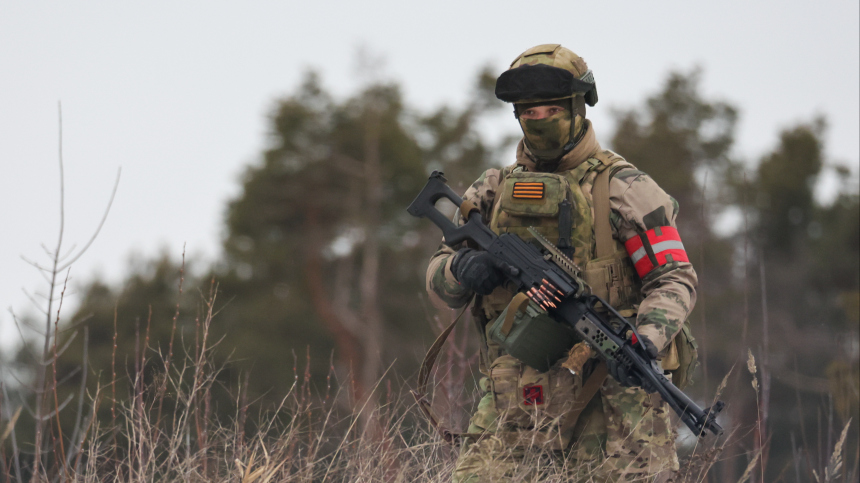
column 694, row 417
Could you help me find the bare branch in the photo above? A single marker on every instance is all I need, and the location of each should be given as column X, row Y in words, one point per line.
column 47, row 298
column 32, row 327
column 69, row 252
column 62, row 186
column 29, row 388
column 73, row 449
column 70, row 375
column 62, row 406
column 33, row 301
column 40, row 377
column 60, row 352
column 15, row 452
column 78, row 323
column 34, row 264
column 99, row 228
column 21, row 333
column 54, row 370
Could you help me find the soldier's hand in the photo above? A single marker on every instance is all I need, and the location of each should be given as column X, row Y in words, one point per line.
column 479, row 271
column 627, row 379
column 650, row 348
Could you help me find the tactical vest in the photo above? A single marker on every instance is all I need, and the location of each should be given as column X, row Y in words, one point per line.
column 533, row 199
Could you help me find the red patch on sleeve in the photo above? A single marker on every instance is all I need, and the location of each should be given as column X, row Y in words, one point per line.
column 533, row 395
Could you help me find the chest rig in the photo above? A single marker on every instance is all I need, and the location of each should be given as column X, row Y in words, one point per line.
column 570, row 209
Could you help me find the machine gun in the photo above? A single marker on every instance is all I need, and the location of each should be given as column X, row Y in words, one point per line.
column 552, row 281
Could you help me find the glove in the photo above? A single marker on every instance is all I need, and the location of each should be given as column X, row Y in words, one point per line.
column 627, row 379
column 479, row 271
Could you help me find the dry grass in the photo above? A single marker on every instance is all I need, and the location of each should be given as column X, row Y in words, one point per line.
column 305, row 438
column 319, row 438
column 168, row 431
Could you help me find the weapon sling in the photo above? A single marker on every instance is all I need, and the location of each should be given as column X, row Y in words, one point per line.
column 420, row 394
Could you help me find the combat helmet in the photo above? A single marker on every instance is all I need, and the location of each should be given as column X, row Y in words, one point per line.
column 549, row 73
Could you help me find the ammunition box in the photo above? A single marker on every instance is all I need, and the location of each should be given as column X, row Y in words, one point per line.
column 534, row 338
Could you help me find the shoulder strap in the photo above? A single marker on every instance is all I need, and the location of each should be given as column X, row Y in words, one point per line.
column 600, row 197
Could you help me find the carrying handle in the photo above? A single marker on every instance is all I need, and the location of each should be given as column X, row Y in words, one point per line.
column 518, row 304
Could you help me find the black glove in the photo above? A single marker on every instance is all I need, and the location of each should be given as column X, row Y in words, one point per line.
column 627, row 379
column 479, row 271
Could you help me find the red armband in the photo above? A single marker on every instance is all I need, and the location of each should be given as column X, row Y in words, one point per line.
column 654, row 248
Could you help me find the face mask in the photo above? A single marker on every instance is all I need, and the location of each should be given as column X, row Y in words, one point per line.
column 549, row 133
column 547, row 137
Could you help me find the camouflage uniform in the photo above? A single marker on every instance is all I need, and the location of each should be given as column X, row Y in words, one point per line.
column 624, row 433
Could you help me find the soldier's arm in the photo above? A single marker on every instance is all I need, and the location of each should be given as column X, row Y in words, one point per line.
column 441, row 284
column 643, row 217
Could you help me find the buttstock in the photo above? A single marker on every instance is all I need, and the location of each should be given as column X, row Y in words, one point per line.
column 424, row 206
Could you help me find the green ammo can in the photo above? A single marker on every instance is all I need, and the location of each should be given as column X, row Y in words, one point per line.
column 527, row 332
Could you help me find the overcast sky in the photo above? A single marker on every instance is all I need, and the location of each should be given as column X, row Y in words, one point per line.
column 177, row 94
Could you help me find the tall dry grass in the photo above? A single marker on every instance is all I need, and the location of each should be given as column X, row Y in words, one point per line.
column 167, row 430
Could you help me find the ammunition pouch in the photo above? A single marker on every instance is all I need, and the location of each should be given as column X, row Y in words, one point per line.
column 613, row 279
column 540, row 403
column 542, row 409
column 682, row 357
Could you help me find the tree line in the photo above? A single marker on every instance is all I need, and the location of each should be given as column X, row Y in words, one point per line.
column 321, row 276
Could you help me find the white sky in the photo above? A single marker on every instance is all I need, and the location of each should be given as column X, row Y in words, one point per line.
column 177, row 94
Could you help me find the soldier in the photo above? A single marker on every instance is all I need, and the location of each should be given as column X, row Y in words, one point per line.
column 618, row 226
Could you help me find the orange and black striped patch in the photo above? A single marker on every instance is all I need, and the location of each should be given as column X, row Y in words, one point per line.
column 529, row 191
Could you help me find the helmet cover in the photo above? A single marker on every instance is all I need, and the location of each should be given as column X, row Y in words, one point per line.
column 547, row 84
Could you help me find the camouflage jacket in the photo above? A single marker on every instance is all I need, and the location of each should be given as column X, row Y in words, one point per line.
column 638, row 207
